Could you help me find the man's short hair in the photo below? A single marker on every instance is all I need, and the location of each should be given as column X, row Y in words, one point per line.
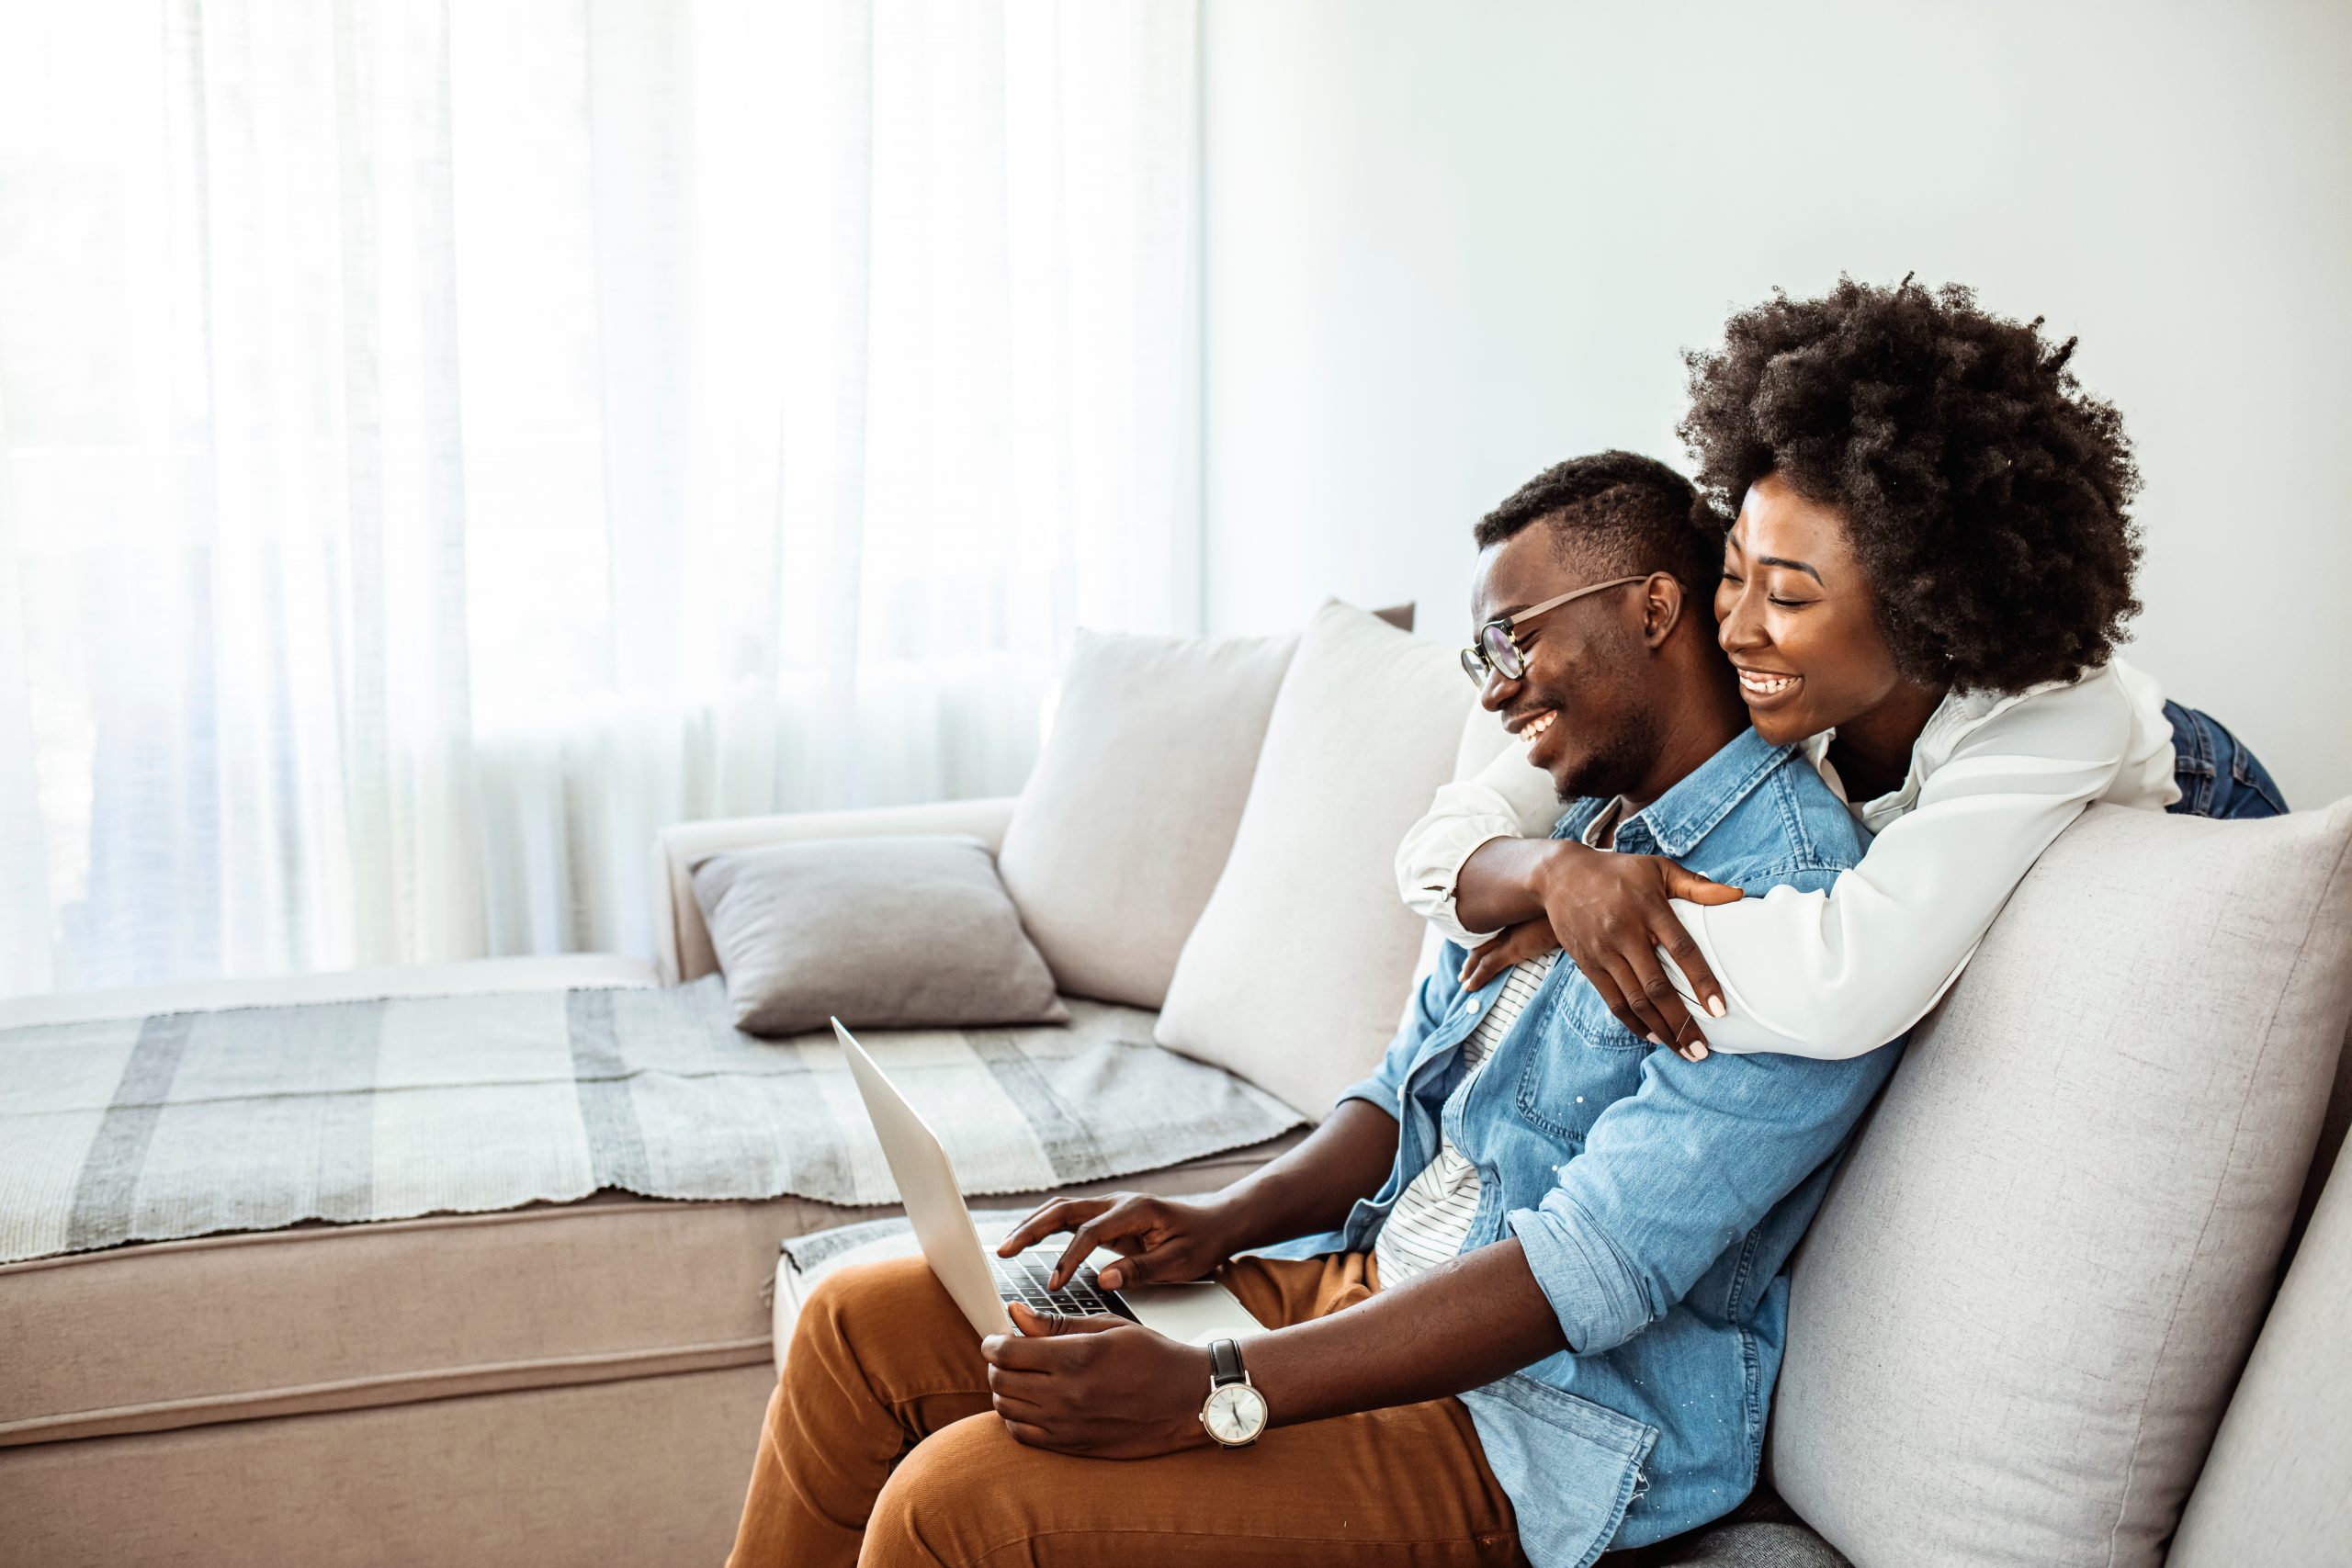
column 1618, row 512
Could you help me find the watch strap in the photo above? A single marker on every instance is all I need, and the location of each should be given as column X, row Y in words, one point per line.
column 1224, row 1363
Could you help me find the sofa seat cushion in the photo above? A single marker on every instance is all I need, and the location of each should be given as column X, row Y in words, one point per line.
column 333, row 1317
column 185, row 1124
column 1762, row 1532
column 322, row 1317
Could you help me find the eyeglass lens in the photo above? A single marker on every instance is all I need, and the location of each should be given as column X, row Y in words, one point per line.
column 1496, row 654
column 1501, row 652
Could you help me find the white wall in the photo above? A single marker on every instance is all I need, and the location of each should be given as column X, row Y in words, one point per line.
column 1448, row 244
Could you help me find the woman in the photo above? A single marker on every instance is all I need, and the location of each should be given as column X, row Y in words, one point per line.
column 1929, row 568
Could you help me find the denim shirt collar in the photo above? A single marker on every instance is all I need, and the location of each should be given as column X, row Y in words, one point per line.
column 1675, row 822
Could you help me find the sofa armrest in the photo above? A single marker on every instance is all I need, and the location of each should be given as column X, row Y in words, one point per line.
column 682, row 949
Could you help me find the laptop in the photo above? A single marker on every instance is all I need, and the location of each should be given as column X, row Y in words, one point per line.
column 982, row 1282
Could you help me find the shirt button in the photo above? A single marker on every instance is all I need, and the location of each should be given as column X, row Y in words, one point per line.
column 1474, row 1004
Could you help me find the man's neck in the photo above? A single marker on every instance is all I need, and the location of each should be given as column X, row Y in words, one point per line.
column 1704, row 716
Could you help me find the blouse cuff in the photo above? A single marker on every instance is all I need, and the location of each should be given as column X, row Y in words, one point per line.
column 1428, row 868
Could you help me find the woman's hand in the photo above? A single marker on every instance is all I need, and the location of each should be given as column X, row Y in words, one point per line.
column 1609, row 912
column 1099, row 1386
column 1164, row 1240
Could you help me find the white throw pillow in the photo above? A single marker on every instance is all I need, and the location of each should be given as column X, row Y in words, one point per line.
column 1295, row 974
column 1124, row 823
column 2016, row 1324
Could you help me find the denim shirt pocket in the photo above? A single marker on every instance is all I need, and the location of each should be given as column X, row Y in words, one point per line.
column 1581, row 1061
column 1570, row 1467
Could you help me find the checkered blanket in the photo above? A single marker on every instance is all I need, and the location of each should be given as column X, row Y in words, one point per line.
column 181, row 1124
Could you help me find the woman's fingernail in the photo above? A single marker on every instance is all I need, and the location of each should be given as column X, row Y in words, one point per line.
column 1656, row 1041
column 1715, row 1006
column 1698, row 1053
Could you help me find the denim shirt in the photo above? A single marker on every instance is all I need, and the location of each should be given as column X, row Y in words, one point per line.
column 1656, row 1200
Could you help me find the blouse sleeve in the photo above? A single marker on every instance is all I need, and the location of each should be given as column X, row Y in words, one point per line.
column 1510, row 797
column 1834, row 975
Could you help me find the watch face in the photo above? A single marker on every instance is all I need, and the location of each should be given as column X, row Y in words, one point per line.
column 1235, row 1413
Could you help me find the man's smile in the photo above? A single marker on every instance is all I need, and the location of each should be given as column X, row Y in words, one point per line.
column 1529, row 725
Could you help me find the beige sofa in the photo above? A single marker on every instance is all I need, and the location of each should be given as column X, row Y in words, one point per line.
column 563, row 1383
column 1992, row 1358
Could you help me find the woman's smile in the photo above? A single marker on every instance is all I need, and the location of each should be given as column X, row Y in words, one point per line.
column 1767, row 688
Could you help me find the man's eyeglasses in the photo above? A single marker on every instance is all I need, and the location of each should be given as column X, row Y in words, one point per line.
column 1496, row 651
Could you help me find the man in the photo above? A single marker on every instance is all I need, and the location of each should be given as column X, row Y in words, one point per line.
column 1539, row 1299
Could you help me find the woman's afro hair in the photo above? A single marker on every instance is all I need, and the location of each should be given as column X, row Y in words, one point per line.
column 1982, row 489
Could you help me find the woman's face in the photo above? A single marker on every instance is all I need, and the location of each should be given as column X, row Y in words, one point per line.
column 1799, row 617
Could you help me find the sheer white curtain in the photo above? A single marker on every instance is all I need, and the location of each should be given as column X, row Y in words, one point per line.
column 441, row 443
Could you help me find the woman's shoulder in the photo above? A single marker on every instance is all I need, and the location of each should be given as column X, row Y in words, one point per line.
column 2109, row 713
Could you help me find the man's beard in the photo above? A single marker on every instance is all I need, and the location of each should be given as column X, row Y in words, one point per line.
column 1616, row 764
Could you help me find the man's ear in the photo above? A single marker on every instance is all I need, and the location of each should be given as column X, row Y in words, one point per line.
column 1663, row 605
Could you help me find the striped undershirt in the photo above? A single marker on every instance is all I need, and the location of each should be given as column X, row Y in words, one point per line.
column 1432, row 1216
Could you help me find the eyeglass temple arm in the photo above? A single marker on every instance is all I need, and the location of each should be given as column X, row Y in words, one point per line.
column 1511, row 622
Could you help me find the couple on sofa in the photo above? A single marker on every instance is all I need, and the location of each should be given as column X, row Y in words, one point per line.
column 1525, row 1287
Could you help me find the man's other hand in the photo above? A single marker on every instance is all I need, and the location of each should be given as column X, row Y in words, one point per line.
column 1102, row 1386
column 1512, row 945
column 1161, row 1240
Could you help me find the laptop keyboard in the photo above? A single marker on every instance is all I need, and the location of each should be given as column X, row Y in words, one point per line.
column 1022, row 1277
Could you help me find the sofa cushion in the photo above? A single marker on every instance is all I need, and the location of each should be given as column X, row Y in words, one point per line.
column 2273, row 1490
column 1483, row 739
column 1295, row 974
column 258, row 1118
column 1125, row 822
column 331, row 1317
column 2014, row 1324
column 899, row 932
column 319, row 1317
column 1762, row 1532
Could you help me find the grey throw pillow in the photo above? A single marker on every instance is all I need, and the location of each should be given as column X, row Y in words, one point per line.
column 886, row 932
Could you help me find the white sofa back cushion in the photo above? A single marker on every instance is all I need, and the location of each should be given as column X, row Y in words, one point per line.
column 2274, row 1490
column 1294, row 974
column 1124, row 823
column 1483, row 739
column 2016, row 1324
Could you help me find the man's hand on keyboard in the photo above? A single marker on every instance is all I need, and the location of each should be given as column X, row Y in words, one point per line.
column 1100, row 1386
column 1164, row 1240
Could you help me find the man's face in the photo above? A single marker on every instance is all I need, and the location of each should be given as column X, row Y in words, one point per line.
column 1583, row 708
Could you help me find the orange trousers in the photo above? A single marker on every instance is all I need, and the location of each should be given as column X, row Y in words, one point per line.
column 881, row 1449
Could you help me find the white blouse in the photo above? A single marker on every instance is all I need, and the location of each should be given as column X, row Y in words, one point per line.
column 1994, row 779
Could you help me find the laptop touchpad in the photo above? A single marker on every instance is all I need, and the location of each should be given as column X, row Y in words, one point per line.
column 1194, row 1313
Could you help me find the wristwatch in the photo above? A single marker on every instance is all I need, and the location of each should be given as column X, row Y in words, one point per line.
column 1235, row 1412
